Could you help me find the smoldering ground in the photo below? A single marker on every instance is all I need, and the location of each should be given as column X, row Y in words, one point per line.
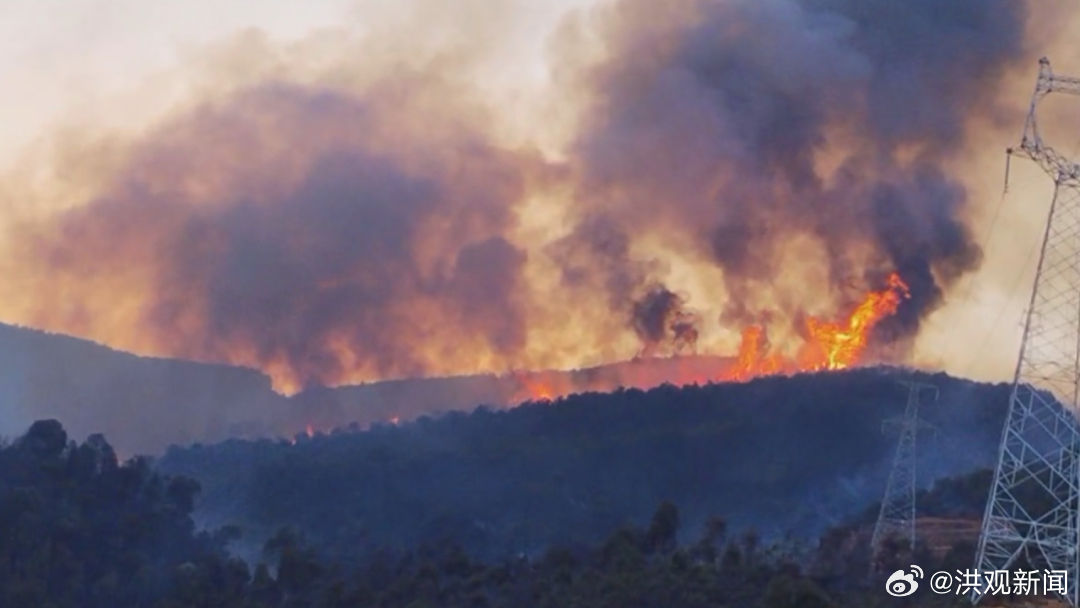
column 360, row 217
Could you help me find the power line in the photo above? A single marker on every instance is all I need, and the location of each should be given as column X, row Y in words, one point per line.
column 984, row 246
column 979, row 352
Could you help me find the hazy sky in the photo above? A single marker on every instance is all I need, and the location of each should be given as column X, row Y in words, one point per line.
column 61, row 58
column 85, row 61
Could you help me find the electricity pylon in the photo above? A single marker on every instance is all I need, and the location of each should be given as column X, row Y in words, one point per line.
column 897, row 517
column 1031, row 517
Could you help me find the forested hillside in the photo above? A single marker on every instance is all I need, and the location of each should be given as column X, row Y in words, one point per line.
column 779, row 456
column 78, row 529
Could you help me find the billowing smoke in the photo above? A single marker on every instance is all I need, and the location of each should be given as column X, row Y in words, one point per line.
column 659, row 318
column 740, row 126
column 307, row 232
column 326, row 230
column 597, row 257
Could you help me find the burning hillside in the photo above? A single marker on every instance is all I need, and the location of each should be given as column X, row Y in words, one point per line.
column 828, row 345
column 733, row 177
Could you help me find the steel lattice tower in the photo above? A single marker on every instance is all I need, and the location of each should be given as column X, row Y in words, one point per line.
column 897, row 516
column 1032, row 511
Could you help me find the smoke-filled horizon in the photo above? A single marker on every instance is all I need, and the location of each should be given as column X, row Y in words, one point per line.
column 353, row 208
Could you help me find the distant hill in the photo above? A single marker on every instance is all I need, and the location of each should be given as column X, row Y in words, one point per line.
column 330, row 408
column 145, row 404
column 779, row 455
column 142, row 404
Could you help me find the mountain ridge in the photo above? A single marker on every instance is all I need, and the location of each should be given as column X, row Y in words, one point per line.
column 780, row 454
column 146, row 403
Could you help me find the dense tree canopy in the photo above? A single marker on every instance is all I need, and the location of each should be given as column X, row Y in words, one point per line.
column 779, row 455
column 78, row 529
column 636, row 499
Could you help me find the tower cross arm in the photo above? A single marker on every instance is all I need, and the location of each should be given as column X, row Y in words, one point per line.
column 1049, row 159
column 1031, row 145
column 1050, row 83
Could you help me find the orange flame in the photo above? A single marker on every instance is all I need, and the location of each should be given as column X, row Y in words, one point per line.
column 840, row 345
column 829, row 345
column 753, row 358
column 538, row 387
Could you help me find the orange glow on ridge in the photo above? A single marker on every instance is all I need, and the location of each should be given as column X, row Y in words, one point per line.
column 829, row 345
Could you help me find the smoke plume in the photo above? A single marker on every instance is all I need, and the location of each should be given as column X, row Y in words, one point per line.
column 329, row 228
column 738, row 127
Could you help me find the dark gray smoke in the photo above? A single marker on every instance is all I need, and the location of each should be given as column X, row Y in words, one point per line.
column 740, row 124
column 598, row 253
column 330, row 233
column 659, row 318
column 313, row 233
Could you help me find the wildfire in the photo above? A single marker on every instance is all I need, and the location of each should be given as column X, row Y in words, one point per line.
column 541, row 392
column 754, row 358
column 829, row 345
column 825, row 345
column 837, row 346
column 309, row 431
column 539, row 387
